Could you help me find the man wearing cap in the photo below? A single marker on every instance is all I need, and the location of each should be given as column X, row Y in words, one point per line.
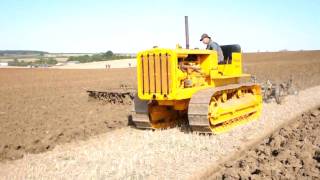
column 211, row 45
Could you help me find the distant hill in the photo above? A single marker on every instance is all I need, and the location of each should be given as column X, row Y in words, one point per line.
column 21, row 52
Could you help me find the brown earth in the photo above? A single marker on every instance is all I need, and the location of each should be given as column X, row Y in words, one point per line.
column 40, row 108
column 302, row 66
column 293, row 152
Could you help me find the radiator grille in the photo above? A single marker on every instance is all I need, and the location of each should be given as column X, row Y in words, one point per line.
column 156, row 73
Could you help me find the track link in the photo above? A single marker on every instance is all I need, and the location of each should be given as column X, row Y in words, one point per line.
column 140, row 115
column 199, row 107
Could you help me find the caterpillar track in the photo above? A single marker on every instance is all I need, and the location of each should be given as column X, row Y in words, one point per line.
column 212, row 110
column 140, row 116
column 209, row 112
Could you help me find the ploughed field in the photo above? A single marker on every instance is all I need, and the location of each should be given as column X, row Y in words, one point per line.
column 40, row 108
column 292, row 152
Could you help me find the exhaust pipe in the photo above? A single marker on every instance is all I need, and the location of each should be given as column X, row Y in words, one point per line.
column 186, row 26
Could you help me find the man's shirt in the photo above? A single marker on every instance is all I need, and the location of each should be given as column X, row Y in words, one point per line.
column 215, row 46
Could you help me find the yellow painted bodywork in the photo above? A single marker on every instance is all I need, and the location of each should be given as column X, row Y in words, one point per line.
column 213, row 75
column 240, row 108
column 170, row 77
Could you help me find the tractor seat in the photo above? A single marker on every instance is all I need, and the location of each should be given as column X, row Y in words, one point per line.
column 227, row 51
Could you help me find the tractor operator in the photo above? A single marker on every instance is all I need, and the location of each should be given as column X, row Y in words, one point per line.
column 211, row 45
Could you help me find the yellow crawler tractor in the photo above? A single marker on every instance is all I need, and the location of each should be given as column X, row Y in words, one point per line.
column 189, row 88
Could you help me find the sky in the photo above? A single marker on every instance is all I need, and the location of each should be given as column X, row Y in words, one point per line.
column 78, row 26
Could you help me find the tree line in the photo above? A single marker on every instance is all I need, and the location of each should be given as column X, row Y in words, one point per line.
column 41, row 61
column 109, row 55
column 21, row 52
